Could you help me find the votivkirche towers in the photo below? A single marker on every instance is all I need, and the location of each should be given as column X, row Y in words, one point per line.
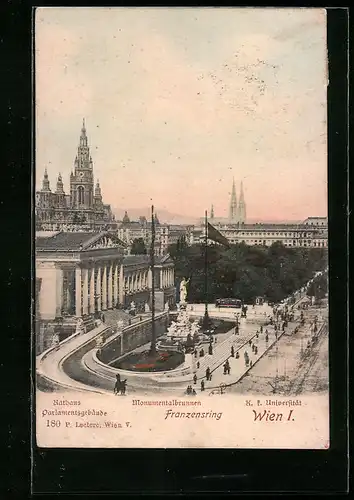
column 237, row 210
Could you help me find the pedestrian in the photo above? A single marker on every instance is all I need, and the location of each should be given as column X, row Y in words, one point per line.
column 266, row 338
column 210, row 349
column 237, row 355
column 250, row 342
column 194, row 393
column 224, row 366
column 195, row 378
column 261, row 329
column 215, row 340
column 195, row 353
column 256, row 350
column 198, row 365
column 207, row 373
column 202, row 385
column 117, row 384
column 257, row 335
column 232, row 351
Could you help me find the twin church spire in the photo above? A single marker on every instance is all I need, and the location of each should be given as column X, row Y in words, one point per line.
column 237, row 211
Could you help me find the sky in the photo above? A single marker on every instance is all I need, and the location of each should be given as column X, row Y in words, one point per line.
column 179, row 101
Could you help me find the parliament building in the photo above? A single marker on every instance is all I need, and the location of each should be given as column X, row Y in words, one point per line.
column 83, row 207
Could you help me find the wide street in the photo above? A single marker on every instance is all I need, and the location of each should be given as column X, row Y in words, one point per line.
column 67, row 365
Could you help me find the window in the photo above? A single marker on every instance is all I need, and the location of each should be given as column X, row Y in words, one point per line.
column 80, row 195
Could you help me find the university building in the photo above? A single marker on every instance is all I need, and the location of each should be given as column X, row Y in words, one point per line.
column 306, row 234
column 83, row 208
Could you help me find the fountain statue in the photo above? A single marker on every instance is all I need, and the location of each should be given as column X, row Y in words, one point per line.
column 183, row 290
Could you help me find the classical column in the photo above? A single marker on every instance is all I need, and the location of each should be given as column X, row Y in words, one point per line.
column 78, row 291
column 104, row 288
column 121, row 284
column 92, row 291
column 161, row 278
column 85, row 291
column 110, row 286
column 98, row 289
column 149, row 279
column 116, row 285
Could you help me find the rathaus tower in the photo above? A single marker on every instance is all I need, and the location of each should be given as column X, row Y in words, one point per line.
column 83, row 207
column 81, row 180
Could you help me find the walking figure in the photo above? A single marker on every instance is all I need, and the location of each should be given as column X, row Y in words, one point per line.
column 207, row 373
column 195, row 378
column 117, row 384
column 225, row 369
column 198, row 365
column 124, row 387
column 210, row 349
column 266, row 339
column 261, row 329
column 195, row 353
column 232, row 351
column 227, row 364
column 202, row 385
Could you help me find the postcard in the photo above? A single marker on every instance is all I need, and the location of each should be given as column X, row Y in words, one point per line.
column 181, row 272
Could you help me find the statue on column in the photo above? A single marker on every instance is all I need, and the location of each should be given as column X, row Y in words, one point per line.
column 183, row 290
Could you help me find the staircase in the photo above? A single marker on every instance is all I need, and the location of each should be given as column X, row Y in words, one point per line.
column 112, row 316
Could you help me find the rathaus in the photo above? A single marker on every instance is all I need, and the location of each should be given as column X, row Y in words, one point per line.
column 83, row 208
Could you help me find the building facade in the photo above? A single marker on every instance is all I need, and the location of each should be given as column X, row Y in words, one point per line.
column 165, row 234
column 80, row 275
column 261, row 234
column 82, row 208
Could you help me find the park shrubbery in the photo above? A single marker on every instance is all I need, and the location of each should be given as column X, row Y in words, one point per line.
column 246, row 272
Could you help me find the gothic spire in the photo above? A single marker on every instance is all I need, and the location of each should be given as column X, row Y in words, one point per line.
column 45, row 182
column 233, row 202
column 83, row 159
column 212, row 212
column 242, row 205
column 60, row 188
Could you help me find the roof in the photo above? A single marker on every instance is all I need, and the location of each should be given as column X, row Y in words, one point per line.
column 71, row 241
column 46, row 234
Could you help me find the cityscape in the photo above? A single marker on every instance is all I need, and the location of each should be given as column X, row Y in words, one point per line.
column 196, row 294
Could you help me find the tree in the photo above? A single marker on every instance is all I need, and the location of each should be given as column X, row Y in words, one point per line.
column 138, row 247
column 246, row 272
